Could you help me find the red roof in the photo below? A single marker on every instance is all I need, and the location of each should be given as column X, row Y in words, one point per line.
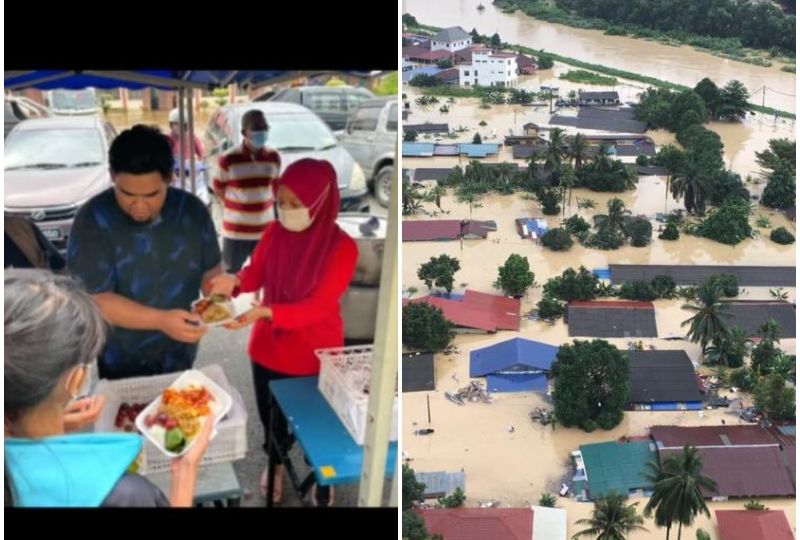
column 479, row 523
column 622, row 304
column 678, row 437
column 413, row 51
column 448, row 74
column 753, row 525
column 430, row 229
column 480, row 311
column 745, row 471
column 433, row 55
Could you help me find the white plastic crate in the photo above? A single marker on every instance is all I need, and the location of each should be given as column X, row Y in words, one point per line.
column 230, row 443
column 344, row 377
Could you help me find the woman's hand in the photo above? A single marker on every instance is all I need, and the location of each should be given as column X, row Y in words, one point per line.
column 223, row 284
column 246, row 319
column 83, row 413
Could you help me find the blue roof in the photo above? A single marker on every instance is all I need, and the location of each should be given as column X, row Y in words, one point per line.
column 534, row 382
column 537, row 225
column 507, row 354
column 478, row 150
column 417, row 149
column 428, row 70
column 446, row 150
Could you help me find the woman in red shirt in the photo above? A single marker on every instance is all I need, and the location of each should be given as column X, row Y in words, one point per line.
column 303, row 265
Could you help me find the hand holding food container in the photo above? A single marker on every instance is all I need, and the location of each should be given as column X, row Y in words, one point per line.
column 223, row 284
column 214, row 310
column 174, row 420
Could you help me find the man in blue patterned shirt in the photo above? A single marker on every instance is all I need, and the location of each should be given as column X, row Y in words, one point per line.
column 144, row 250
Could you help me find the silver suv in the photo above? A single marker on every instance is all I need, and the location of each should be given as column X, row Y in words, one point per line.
column 371, row 138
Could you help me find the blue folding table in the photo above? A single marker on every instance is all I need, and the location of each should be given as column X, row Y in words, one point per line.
column 329, row 449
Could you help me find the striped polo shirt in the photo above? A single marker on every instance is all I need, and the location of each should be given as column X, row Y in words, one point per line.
column 245, row 179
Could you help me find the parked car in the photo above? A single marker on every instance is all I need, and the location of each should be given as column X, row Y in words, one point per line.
column 19, row 109
column 296, row 133
column 333, row 104
column 73, row 102
column 52, row 166
column 371, row 138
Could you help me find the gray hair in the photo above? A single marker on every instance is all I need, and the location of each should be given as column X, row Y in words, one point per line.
column 51, row 325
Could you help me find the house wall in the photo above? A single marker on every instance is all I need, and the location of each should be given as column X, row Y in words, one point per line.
column 486, row 70
column 451, row 46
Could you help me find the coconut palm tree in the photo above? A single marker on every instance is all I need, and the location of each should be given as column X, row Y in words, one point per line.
column 730, row 349
column 677, row 491
column 707, row 324
column 567, row 180
column 691, row 182
column 616, row 214
column 611, row 519
column 578, row 150
column 555, row 153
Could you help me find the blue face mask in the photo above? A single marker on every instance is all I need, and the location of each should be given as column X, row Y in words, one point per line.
column 258, row 138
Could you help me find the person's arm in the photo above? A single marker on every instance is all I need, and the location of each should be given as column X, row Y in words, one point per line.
column 221, row 178
column 325, row 297
column 198, row 147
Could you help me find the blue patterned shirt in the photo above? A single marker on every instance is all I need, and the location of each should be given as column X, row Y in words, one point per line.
column 159, row 264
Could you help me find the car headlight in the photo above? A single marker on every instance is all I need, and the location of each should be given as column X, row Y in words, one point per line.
column 358, row 182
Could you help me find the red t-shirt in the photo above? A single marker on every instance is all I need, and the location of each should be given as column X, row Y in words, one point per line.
column 286, row 344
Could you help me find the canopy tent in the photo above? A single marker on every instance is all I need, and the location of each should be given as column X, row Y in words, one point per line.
column 384, row 373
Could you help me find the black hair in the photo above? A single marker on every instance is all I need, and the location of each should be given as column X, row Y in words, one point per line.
column 142, row 150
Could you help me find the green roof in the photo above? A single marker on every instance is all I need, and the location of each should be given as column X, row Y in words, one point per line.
column 619, row 467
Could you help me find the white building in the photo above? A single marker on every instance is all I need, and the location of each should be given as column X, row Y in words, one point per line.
column 451, row 39
column 489, row 69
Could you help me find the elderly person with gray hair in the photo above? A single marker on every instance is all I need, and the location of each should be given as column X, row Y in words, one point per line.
column 53, row 334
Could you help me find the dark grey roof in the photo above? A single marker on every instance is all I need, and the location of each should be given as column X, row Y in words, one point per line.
column 603, row 119
column 418, row 373
column 611, row 322
column 431, row 174
column 427, row 128
column 750, row 315
column 747, row 276
column 662, row 376
column 522, row 151
column 652, row 171
column 598, row 95
column 454, row 33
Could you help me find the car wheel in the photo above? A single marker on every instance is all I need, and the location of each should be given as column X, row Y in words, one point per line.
column 383, row 186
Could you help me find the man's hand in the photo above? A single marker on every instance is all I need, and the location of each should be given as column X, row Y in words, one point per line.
column 182, row 326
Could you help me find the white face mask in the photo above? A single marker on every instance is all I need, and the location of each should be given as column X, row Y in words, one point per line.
column 295, row 219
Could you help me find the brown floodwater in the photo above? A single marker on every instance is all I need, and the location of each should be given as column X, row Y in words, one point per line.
column 683, row 65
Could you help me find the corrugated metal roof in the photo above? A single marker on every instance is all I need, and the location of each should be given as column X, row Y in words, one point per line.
column 748, row 276
column 417, row 149
column 597, row 95
column 614, row 466
column 662, row 376
column 454, row 33
column 440, row 483
column 478, row 311
column 549, row 523
column 749, row 315
column 427, row 128
column 753, row 525
column 517, row 383
column 700, row 436
column 506, row 354
column 418, row 373
column 479, row 523
column 611, row 321
column 742, row 471
column 431, row 230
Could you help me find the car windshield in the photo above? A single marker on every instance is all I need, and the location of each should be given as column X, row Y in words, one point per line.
column 56, row 148
column 299, row 133
column 73, row 99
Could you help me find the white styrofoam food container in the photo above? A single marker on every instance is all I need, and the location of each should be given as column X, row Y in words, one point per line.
column 230, row 444
column 344, row 377
column 219, row 406
column 228, row 305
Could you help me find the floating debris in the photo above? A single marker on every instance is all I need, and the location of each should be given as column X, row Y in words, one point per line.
column 488, row 504
column 510, row 429
column 426, row 431
column 542, row 415
column 455, row 398
column 473, row 392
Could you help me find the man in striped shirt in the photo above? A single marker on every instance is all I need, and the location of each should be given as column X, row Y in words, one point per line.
column 244, row 186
